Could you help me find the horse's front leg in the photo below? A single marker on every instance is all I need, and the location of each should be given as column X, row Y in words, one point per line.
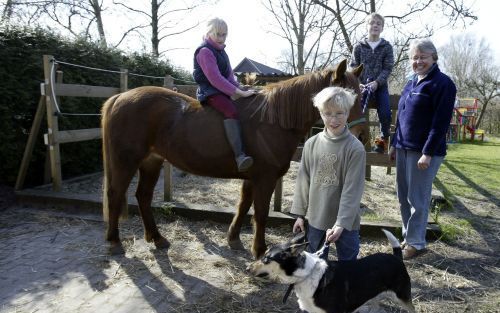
column 233, row 234
column 262, row 197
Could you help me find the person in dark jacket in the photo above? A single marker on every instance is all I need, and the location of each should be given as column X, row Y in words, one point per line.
column 376, row 55
column 217, row 86
column 419, row 144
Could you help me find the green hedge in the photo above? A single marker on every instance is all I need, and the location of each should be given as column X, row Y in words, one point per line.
column 21, row 72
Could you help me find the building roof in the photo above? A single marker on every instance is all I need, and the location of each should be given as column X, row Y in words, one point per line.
column 250, row 66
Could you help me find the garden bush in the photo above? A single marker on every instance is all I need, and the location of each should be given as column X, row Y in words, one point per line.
column 21, row 72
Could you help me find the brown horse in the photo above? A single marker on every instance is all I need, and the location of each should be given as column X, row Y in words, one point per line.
column 144, row 126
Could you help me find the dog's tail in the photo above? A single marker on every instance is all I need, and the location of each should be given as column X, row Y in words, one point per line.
column 396, row 247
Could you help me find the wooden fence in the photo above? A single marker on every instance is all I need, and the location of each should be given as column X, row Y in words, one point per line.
column 53, row 88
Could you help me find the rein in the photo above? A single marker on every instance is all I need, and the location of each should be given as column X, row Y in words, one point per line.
column 360, row 120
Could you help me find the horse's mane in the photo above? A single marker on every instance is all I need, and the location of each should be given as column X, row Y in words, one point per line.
column 289, row 103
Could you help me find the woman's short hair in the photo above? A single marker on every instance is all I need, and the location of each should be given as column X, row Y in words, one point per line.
column 216, row 25
column 374, row 15
column 334, row 96
column 423, row 45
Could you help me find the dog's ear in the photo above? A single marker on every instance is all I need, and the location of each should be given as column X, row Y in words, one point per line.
column 298, row 248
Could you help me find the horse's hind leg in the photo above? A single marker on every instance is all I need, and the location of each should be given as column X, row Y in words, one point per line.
column 233, row 234
column 149, row 171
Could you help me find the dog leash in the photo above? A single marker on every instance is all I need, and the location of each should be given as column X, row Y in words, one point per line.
column 287, row 293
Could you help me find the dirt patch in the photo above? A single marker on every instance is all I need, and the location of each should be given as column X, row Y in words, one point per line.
column 200, row 274
column 379, row 200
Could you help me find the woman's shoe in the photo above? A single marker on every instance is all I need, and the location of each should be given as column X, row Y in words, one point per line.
column 410, row 252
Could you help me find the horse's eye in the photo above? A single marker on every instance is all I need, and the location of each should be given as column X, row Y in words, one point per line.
column 266, row 260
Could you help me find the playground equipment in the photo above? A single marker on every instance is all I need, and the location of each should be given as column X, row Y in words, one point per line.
column 463, row 121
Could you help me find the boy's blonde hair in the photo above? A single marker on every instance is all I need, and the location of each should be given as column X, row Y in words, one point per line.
column 375, row 15
column 216, row 25
column 330, row 97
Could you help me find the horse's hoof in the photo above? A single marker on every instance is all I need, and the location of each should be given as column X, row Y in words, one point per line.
column 162, row 243
column 236, row 245
column 116, row 249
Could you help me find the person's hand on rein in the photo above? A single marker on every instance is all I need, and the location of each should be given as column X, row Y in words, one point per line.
column 242, row 94
column 373, row 85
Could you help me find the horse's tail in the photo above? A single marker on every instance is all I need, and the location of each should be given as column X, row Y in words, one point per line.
column 106, row 159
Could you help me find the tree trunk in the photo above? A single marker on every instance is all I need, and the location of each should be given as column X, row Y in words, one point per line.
column 483, row 109
column 155, row 42
column 100, row 25
column 7, row 11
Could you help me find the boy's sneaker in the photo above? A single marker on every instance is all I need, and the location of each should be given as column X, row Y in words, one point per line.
column 381, row 145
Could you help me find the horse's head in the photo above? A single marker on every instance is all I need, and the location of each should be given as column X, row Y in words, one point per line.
column 350, row 79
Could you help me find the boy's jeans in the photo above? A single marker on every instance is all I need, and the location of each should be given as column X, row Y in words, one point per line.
column 347, row 245
column 381, row 97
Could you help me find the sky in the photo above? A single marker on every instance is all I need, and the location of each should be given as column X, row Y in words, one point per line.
column 249, row 24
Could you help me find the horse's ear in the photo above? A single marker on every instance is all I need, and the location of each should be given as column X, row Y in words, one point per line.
column 357, row 71
column 340, row 71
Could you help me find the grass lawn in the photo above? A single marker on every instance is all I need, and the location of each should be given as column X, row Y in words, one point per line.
column 470, row 180
column 472, row 169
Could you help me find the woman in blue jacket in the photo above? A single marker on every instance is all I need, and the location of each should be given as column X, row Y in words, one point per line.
column 419, row 145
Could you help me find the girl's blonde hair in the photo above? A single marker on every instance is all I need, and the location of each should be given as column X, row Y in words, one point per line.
column 329, row 97
column 216, row 25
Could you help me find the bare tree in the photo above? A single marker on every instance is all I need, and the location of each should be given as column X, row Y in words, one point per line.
column 164, row 19
column 470, row 63
column 308, row 32
column 77, row 17
column 350, row 15
column 346, row 23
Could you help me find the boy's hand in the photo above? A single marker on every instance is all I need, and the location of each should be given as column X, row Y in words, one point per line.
column 373, row 85
column 299, row 225
column 333, row 234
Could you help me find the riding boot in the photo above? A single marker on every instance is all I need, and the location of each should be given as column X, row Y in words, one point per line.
column 233, row 134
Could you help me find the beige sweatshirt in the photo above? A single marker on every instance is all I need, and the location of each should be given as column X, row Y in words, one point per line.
column 331, row 181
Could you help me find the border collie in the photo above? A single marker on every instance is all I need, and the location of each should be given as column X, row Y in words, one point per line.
column 336, row 286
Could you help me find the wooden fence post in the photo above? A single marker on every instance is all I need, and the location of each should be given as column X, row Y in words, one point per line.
column 278, row 195
column 168, row 82
column 123, row 79
column 53, row 124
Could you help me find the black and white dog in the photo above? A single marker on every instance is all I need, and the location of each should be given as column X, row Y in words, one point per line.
column 336, row 286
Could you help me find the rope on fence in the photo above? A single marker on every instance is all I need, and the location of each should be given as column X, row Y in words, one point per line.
column 119, row 72
column 52, row 82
